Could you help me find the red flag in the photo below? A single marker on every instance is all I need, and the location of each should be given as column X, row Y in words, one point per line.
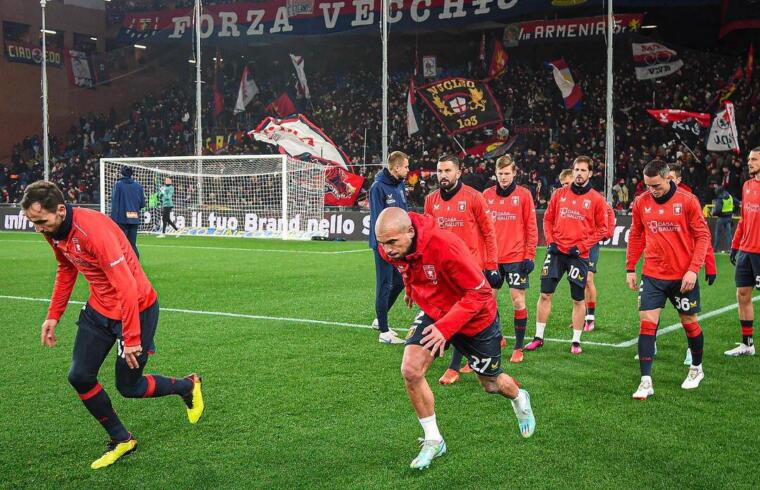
column 218, row 96
column 282, row 106
column 750, row 63
column 341, row 187
column 499, row 59
column 665, row 116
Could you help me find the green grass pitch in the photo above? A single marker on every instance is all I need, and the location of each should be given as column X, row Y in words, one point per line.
column 320, row 405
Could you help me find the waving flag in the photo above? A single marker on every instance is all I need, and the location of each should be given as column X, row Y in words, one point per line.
column 298, row 136
column 247, row 92
column 723, row 134
column 571, row 91
column 499, row 59
column 298, row 64
column 689, row 127
column 411, row 113
column 654, row 60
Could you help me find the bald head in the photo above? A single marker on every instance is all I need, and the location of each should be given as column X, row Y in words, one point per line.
column 394, row 232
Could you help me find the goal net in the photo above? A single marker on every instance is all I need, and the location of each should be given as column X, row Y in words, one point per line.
column 242, row 195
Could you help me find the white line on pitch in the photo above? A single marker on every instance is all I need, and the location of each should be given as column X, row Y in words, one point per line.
column 271, row 318
column 214, row 313
column 678, row 326
column 236, row 249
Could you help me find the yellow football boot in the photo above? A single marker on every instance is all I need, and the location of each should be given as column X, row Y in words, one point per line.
column 115, row 451
column 194, row 400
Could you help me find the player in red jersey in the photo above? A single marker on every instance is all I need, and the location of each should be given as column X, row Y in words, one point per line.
column 745, row 254
column 122, row 309
column 462, row 210
column 574, row 222
column 669, row 229
column 514, row 216
column 457, row 307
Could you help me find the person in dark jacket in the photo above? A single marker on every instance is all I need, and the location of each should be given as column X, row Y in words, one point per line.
column 127, row 199
column 388, row 190
column 723, row 209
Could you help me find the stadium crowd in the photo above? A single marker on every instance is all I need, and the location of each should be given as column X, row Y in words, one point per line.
column 347, row 103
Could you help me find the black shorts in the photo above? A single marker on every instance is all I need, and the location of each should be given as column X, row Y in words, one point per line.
column 558, row 264
column 483, row 350
column 109, row 331
column 593, row 258
column 654, row 292
column 514, row 276
column 747, row 270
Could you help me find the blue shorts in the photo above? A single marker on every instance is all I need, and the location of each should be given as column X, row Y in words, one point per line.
column 483, row 350
column 558, row 264
column 514, row 276
column 654, row 292
column 747, row 270
column 593, row 258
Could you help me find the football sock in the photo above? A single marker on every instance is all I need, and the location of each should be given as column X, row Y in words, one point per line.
column 99, row 405
column 577, row 336
column 590, row 310
column 647, row 335
column 456, row 360
column 519, row 401
column 521, row 323
column 540, row 330
column 696, row 340
column 746, row 332
column 157, row 385
column 430, row 426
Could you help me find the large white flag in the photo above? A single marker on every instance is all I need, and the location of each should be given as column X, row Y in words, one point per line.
column 301, row 74
column 723, row 134
column 654, row 60
column 247, row 92
column 296, row 136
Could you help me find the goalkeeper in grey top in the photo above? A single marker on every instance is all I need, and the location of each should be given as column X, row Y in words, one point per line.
column 166, row 198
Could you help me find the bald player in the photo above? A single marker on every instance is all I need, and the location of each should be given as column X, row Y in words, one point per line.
column 457, row 307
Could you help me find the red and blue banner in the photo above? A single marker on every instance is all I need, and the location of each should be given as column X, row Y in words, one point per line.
column 248, row 23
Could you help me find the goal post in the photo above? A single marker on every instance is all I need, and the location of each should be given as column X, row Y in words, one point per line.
column 260, row 196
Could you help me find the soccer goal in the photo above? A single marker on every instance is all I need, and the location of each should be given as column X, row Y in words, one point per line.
column 257, row 196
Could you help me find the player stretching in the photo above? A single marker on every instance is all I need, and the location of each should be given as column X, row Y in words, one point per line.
column 593, row 262
column 122, row 309
column 462, row 210
column 669, row 229
column 575, row 221
column 514, row 216
column 457, row 307
column 745, row 254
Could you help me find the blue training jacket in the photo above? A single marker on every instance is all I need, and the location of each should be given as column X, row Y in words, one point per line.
column 386, row 192
column 127, row 200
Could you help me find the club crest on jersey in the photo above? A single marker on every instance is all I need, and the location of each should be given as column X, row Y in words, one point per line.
column 430, row 272
column 515, row 200
column 587, row 204
column 462, row 205
column 677, row 208
column 77, row 246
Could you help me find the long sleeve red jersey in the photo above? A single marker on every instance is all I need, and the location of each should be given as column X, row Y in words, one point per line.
column 119, row 289
column 445, row 281
column 747, row 235
column 465, row 215
column 514, row 219
column 673, row 236
column 575, row 220
column 611, row 221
